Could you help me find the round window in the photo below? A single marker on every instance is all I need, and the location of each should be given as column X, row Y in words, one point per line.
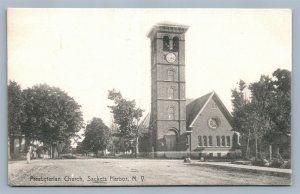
column 213, row 123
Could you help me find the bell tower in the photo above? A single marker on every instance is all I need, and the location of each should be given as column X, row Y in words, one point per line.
column 168, row 111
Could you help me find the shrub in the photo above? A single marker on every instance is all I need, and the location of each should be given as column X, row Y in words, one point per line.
column 257, row 162
column 68, row 157
column 288, row 164
column 277, row 163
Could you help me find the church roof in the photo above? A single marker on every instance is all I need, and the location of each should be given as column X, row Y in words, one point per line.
column 144, row 125
column 189, row 100
column 194, row 108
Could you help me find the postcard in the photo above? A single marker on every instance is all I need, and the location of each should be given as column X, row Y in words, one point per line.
column 149, row 97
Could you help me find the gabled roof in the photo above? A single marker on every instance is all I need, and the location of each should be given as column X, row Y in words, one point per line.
column 189, row 100
column 195, row 108
column 144, row 125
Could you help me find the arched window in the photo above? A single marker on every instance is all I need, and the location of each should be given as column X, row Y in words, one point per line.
column 228, row 141
column 200, row 141
column 218, row 141
column 171, row 113
column 205, row 141
column 187, row 140
column 166, row 43
column 170, row 93
column 210, row 140
column 175, row 44
column 171, row 75
column 223, row 141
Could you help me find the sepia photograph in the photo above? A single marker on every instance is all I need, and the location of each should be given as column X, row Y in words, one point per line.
column 149, row 97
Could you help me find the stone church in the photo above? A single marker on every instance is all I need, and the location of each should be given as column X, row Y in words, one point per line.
column 177, row 127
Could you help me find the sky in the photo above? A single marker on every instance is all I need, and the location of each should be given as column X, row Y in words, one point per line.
column 87, row 52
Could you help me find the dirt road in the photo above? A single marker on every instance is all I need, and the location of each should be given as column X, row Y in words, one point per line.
column 105, row 172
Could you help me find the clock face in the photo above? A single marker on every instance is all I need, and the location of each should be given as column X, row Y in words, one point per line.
column 213, row 123
column 171, row 57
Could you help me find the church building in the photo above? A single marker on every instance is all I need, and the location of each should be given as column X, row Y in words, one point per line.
column 177, row 127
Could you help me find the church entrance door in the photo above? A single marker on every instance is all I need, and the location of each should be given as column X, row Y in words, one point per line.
column 171, row 141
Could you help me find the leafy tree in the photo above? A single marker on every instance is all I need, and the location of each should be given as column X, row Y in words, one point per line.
column 79, row 148
column 280, row 110
column 281, row 113
column 52, row 115
column 239, row 96
column 97, row 136
column 16, row 111
column 261, row 101
column 267, row 111
column 126, row 115
column 241, row 113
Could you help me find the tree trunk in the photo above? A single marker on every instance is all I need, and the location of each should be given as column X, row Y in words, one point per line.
column 137, row 139
column 48, row 152
column 113, row 150
column 270, row 152
column 20, row 145
column 256, row 152
column 247, row 148
column 27, row 144
column 137, row 147
column 52, row 151
column 277, row 153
